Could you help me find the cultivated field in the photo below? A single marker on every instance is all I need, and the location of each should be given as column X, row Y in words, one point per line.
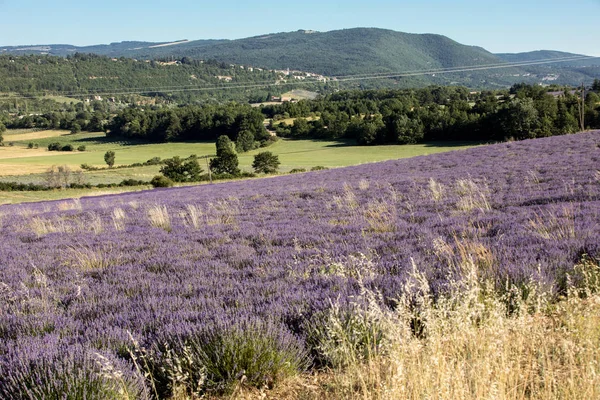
column 471, row 274
column 19, row 163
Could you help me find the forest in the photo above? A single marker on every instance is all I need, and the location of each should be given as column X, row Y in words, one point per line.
column 370, row 117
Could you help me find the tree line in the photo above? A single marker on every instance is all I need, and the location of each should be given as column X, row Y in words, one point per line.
column 243, row 124
column 437, row 113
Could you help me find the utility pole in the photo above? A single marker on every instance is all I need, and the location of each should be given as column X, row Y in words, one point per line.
column 582, row 108
column 208, row 166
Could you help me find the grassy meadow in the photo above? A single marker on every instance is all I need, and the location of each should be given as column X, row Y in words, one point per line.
column 22, row 164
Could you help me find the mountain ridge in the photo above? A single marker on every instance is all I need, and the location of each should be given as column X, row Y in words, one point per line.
column 345, row 52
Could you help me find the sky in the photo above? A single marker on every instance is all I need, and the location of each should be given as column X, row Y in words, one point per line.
column 498, row 26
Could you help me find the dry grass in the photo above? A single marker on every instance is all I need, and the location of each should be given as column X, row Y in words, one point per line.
column 34, row 135
column 554, row 225
column 159, row 217
column 380, row 216
column 437, row 190
column 74, row 204
column 193, row 215
column 223, row 212
column 43, row 226
column 347, row 201
column 118, row 218
column 363, row 184
column 85, row 258
column 472, row 195
column 469, row 347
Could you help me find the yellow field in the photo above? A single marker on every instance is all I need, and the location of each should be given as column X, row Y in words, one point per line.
column 33, row 135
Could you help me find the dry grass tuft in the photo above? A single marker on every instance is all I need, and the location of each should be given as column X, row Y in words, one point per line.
column 159, row 217
column 74, row 204
column 118, row 219
column 85, row 258
column 554, row 226
column 43, row 226
column 472, row 196
column 363, row 184
column 347, row 201
column 223, row 212
column 193, row 215
column 437, row 190
column 381, row 216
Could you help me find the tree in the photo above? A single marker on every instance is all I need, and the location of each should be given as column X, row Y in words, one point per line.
column 2, row 130
column 520, row 119
column 109, row 158
column 406, row 130
column 226, row 161
column 244, row 141
column 180, row 170
column 265, row 162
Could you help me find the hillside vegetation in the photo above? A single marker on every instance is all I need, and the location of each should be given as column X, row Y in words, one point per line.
column 86, row 75
column 358, row 51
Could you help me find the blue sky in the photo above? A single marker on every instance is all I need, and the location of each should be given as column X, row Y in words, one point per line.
column 498, row 26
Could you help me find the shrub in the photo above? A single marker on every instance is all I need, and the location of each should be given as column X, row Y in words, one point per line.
column 54, row 146
column 132, row 182
column 67, row 147
column 81, row 148
column 160, row 181
column 109, row 158
column 318, row 168
column 153, row 161
column 297, row 170
column 30, row 145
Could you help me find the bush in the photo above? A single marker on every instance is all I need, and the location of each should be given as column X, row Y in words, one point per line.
column 297, row 170
column 54, row 146
column 132, row 182
column 153, row 161
column 67, row 147
column 21, row 187
column 81, row 148
column 318, row 168
column 88, row 167
column 30, row 145
column 160, row 181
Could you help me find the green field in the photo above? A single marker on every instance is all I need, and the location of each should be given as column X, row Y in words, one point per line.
column 18, row 163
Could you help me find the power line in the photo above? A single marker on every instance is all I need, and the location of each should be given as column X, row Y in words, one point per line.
column 339, row 78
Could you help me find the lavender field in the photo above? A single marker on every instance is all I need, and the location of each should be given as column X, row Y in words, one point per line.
column 134, row 295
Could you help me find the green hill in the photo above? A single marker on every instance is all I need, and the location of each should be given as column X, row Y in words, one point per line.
column 357, row 51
